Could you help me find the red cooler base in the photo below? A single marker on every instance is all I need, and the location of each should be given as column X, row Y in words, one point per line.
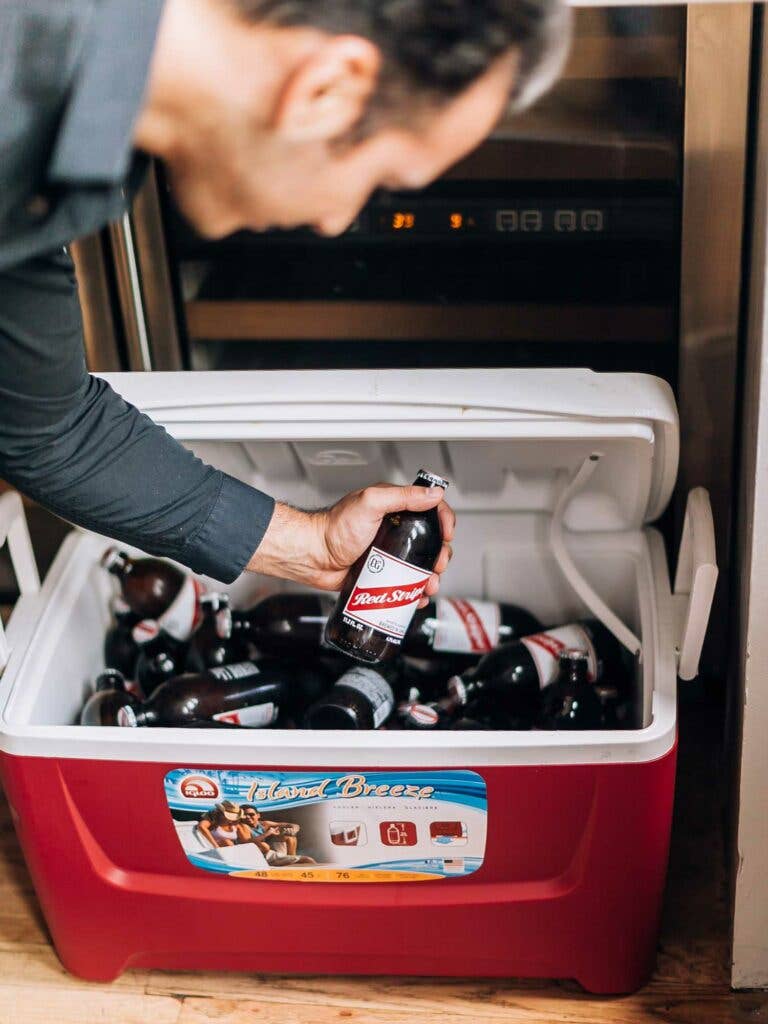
column 571, row 885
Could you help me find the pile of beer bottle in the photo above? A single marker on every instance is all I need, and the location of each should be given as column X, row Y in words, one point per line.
column 182, row 657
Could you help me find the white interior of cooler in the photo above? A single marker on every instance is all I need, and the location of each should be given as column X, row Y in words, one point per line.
column 501, row 548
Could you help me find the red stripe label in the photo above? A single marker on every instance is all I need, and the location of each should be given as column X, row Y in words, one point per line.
column 477, row 634
column 384, row 597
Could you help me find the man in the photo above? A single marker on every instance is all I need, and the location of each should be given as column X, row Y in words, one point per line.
column 277, row 840
column 267, row 113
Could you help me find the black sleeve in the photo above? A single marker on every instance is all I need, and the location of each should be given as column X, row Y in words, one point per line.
column 70, row 442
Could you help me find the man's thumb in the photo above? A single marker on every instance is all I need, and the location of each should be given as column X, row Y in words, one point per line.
column 385, row 498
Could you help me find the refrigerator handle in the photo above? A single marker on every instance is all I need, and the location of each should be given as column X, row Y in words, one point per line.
column 695, row 581
column 13, row 529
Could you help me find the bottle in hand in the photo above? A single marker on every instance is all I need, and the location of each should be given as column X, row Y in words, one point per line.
column 109, row 697
column 155, row 589
column 571, row 701
column 383, row 588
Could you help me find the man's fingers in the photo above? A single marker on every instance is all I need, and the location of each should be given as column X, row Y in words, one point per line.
column 384, row 498
column 433, row 585
column 443, row 559
column 447, row 520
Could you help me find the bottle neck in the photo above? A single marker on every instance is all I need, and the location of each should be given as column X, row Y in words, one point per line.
column 134, row 716
column 425, row 478
column 463, row 689
column 112, row 679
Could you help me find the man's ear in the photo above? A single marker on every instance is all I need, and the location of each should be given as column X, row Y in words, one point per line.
column 326, row 95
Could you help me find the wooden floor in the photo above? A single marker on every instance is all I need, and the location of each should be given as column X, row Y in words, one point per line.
column 690, row 985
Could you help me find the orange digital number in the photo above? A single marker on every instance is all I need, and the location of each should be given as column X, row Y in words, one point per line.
column 403, row 221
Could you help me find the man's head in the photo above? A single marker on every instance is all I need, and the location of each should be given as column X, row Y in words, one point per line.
column 250, row 815
column 291, row 112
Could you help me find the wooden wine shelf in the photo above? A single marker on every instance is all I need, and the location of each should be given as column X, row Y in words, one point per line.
column 384, row 321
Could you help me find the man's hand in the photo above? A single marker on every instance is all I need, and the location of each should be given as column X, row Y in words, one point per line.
column 318, row 548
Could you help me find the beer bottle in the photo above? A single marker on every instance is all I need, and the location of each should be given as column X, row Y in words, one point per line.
column 383, row 588
column 214, row 641
column 161, row 656
column 242, row 694
column 120, row 649
column 285, row 623
column 571, row 701
column 361, row 699
column 417, row 682
column 515, row 674
column 464, row 626
column 155, row 589
column 109, row 696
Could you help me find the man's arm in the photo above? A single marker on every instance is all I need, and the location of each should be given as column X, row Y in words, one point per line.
column 68, row 441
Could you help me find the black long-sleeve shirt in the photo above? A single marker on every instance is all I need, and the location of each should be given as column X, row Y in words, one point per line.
column 72, row 77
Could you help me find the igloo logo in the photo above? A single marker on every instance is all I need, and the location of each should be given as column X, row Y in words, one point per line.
column 199, row 787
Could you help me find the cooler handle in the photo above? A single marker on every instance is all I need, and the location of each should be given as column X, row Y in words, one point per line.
column 695, row 581
column 13, row 529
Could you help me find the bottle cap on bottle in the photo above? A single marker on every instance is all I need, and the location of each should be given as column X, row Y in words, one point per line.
column 109, row 679
column 224, row 623
column 215, row 600
column 573, row 655
column 421, row 715
column 430, row 478
column 113, row 558
column 126, row 717
column 457, row 690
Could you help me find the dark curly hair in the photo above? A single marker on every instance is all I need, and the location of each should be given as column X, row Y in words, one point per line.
column 436, row 48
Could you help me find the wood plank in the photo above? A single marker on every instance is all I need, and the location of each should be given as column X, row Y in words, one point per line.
column 86, row 1006
column 521, row 1009
column 385, row 321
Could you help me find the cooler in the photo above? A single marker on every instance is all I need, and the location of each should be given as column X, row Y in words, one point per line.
column 450, row 853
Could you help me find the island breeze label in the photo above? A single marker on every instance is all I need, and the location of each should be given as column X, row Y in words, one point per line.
column 330, row 826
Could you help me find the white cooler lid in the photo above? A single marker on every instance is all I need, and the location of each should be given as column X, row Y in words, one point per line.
column 545, row 423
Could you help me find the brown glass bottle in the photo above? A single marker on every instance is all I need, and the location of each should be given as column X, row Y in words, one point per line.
column 155, row 589
column 215, row 641
column 571, row 701
column 120, row 648
column 242, row 694
column 513, row 675
column 361, row 699
column 285, row 624
column 109, row 696
column 161, row 657
column 457, row 627
column 383, row 588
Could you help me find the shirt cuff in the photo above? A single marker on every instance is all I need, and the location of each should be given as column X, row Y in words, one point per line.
column 224, row 545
